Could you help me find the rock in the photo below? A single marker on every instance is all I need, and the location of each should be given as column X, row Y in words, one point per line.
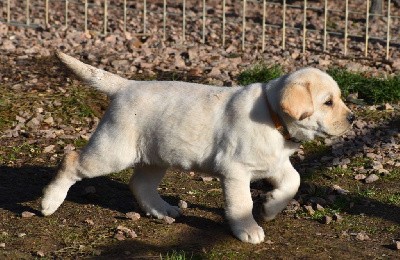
column 168, row 220
column 27, row 214
column 132, row 216
column 182, row 204
column 339, row 190
column 309, row 210
column 326, row 220
column 120, row 63
column 362, row 236
column 336, row 217
column 360, row 177
column 40, row 254
column 206, row 178
column 49, row 149
column 119, row 236
column 2, row 245
column 89, row 221
column 21, row 235
column 396, row 244
column 377, row 165
column 318, row 207
column 371, row 178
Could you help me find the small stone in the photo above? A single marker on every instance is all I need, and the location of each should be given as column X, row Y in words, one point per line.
column 309, row 209
column 119, row 236
column 206, row 178
column 339, row 190
column 130, row 234
column 383, row 172
column 326, row 220
column 362, row 236
column 371, row 178
column 377, row 165
column 336, row 217
column 396, row 244
column 132, row 216
column 21, row 235
column 49, row 149
column 360, row 177
column 2, row 245
column 89, row 221
column 318, row 207
column 27, row 214
column 182, row 204
column 168, row 220
column 40, row 254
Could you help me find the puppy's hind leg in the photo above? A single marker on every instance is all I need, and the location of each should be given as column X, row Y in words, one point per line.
column 143, row 184
column 285, row 188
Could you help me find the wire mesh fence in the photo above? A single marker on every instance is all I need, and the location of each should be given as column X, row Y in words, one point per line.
column 284, row 22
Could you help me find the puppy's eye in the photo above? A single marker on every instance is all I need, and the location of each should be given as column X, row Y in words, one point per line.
column 329, row 103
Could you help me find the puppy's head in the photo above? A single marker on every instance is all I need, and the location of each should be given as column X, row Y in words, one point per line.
column 312, row 106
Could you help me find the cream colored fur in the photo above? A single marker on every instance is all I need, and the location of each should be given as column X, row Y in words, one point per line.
column 226, row 131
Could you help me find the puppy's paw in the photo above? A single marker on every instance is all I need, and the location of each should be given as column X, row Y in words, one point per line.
column 163, row 210
column 50, row 202
column 253, row 234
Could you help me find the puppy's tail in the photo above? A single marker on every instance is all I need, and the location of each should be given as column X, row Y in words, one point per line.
column 104, row 81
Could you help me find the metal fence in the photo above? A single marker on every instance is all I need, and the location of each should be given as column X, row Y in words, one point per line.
column 33, row 13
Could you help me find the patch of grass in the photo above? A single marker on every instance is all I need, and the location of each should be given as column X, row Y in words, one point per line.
column 371, row 89
column 259, row 73
column 394, row 199
column 176, row 255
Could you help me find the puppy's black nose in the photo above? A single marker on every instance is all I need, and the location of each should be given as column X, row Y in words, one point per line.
column 351, row 117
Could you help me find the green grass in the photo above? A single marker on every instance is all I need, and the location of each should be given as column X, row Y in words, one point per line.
column 372, row 90
column 176, row 255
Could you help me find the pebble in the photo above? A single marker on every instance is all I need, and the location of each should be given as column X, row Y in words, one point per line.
column 89, row 221
column 339, row 190
column 27, row 214
column 2, row 245
column 396, row 244
column 371, row 178
column 182, row 204
column 40, row 254
column 133, row 216
column 21, row 235
column 309, row 209
column 326, row 219
column 168, row 220
column 336, row 217
column 360, row 177
column 362, row 236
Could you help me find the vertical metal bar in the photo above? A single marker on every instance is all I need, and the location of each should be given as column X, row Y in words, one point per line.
column 204, row 22
column 366, row 29
column 105, row 16
column 124, row 16
column 165, row 19
column 46, row 17
column 28, row 21
column 66, row 12
column 263, row 25
column 86, row 16
column 346, row 25
column 388, row 31
column 325, row 22
column 8, row 11
column 304, row 25
column 244, row 24
column 284, row 25
column 184, row 20
column 144, row 16
column 223, row 21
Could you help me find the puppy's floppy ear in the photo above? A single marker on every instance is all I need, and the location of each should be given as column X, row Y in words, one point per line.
column 296, row 101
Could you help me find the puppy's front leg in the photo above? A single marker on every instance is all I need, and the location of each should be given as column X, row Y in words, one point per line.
column 286, row 183
column 239, row 207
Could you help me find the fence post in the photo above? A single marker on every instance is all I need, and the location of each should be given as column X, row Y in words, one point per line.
column 204, row 22
column 284, row 25
column 304, row 25
column 28, row 21
column 86, row 16
column 184, row 20
column 144, row 16
column 325, row 22
column 105, row 16
column 388, row 31
column 366, row 29
column 8, row 11
column 66, row 13
column 244, row 24
column 124, row 16
column 164, row 19
column 223, row 22
column 263, row 26
column 346, row 24
column 46, row 17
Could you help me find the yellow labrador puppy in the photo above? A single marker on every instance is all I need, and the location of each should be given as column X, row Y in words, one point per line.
column 240, row 134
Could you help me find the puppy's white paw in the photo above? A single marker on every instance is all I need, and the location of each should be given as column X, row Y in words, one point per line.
column 52, row 199
column 163, row 209
column 252, row 234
